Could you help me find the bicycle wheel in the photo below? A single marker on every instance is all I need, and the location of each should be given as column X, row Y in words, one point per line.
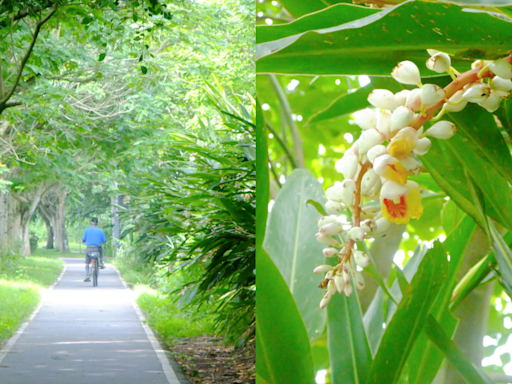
column 95, row 273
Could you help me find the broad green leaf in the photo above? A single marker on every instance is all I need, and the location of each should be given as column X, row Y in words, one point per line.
column 504, row 114
column 425, row 359
column 503, row 255
column 354, row 101
column 278, row 323
column 375, row 44
column 479, row 132
column 349, row 351
column 408, row 320
column 262, row 179
column 468, row 371
column 451, row 216
column 301, row 8
column 290, row 242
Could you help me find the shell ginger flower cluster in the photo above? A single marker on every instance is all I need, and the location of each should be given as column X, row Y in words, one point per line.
column 376, row 191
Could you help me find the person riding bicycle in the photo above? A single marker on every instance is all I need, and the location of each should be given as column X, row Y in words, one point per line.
column 93, row 237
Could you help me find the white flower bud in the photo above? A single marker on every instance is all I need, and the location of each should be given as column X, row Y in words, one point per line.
column 334, row 193
column 348, row 290
column 326, row 240
column 439, row 62
column 340, row 283
column 346, row 276
column 358, row 280
column 393, row 191
column 366, row 118
column 331, row 287
column 348, row 187
column 369, row 211
column 456, row 97
column 376, row 151
column 369, row 180
column 382, row 225
column 331, row 229
column 401, row 118
column 330, row 252
column 414, row 99
column 476, row 93
column 422, row 146
column 401, row 97
column 324, row 220
column 348, row 165
column 478, row 64
column 412, row 165
column 442, row 130
column 431, row 94
column 492, row 103
column 361, row 258
column 323, row 268
column 375, row 189
column 355, row 233
column 368, row 225
column 502, row 68
column 384, row 123
column 368, row 139
column 500, row 84
column 382, row 98
column 325, row 300
column 333, row 208
column 407, row 73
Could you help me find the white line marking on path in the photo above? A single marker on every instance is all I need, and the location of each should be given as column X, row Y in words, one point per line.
column 160, row 352
column 7, row 346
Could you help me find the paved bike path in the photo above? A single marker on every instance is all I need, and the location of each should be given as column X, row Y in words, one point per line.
column 85, row 335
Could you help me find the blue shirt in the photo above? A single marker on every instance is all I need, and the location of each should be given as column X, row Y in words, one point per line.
column 94, row 236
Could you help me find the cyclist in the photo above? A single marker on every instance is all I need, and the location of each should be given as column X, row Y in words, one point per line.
column 93, row 237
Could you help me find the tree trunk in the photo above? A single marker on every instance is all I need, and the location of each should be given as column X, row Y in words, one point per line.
column 4, row 240
column 59, row 222
column 49, row 229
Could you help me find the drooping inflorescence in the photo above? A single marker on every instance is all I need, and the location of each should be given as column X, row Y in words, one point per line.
column 376, row 191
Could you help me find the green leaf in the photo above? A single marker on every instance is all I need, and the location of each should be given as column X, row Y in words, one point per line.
column 504, row 114
column 468, row 371
column 291, row 244
column 402, row 281
column 503, row 255
column 350, row 363
column 300, row 8
column 279, row 323
column 406, row 324
column 375, row 44
column 102, row 56
column 143, row 69
column 262, row 179
column 319, row 207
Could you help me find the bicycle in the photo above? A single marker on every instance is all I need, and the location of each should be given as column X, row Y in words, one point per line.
column 95, row 270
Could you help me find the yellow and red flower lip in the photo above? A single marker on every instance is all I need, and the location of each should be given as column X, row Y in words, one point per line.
column 401, row 203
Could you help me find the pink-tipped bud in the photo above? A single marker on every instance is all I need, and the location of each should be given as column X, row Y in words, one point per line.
column 401, row 118
column 499, row 84
column 325, row 300
column 346, row 276
column 359, row 280
column 382, row 98
column 323, row 269
column 423, row 146
column 439, row 62
column 368, row 139
column 324, row 220
column 330, row 252
column 442, row 130
column 356, row 234
column 366, row 118
column 407, row 73
column 333, row 208
column 476, row 93
column 414, row 99
column 340, row 283
column 348, row 188
column 401, row 97
column 431, row 94
column 326, row 240
column 361, row 258
column 376, row 151
column 502, row 68
column 348, row 290
column 331, row 229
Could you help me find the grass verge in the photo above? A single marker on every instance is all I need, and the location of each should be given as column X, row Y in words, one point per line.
column 22, row 282
column 162, row 313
